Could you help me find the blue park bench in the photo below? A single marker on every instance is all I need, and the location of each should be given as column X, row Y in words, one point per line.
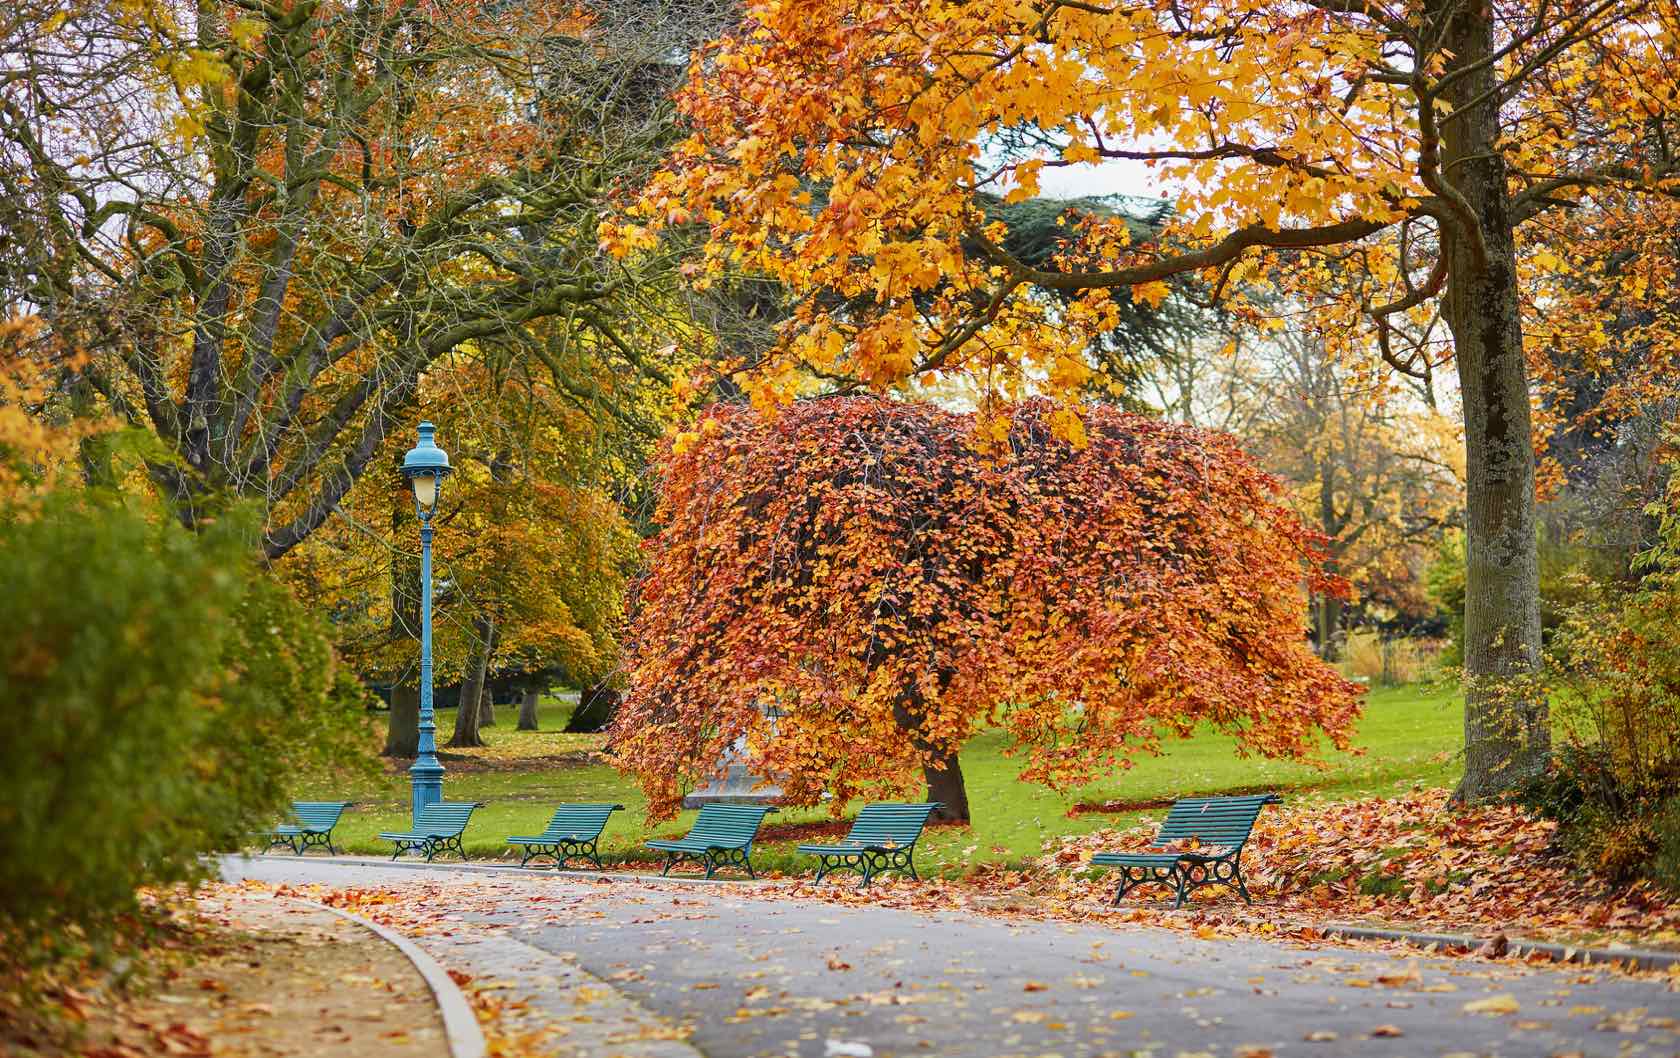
column 1212, row 832
column 882, row 841
column 575, row 830
column 313, row 826
column 437, row 828
column 722, row 836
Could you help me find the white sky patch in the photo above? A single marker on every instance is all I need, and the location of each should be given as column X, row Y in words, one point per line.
column 1109, row 177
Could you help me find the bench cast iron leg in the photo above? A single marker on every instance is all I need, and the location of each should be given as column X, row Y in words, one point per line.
column 1236, row 875
column 1126, row 885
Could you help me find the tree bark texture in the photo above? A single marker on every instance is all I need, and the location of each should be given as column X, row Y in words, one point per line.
column 945, row 784
column 528, row 710
column 487, row 693
column 402, row 728
column 472, row 690
column 1506, row 732
column 943, row 771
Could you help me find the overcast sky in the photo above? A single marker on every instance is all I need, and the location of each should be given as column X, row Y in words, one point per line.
column 1107, row 178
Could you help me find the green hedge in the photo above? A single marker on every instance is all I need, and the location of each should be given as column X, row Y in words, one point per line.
column 159, row 693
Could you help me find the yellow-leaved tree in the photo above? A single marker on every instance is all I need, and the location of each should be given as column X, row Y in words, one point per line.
column 1398, row 158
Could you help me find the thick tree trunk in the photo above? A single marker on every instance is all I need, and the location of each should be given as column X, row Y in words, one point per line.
column 528, row 710
column 596, row 706
column 402, row 729
column 942, row 771
column 470, row 709
column 1506, row 733
column 945, row 784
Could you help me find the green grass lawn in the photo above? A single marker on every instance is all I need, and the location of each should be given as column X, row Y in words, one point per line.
column 1408, row 734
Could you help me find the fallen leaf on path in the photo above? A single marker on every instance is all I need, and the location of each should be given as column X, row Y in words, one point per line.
column 1388, row 1031
column 1320, row 1036
column 1495, row 1005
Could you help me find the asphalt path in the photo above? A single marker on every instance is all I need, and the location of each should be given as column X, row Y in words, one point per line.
column 754, row 975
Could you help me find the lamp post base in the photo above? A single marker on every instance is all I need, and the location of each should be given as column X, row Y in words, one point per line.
column 426, row 780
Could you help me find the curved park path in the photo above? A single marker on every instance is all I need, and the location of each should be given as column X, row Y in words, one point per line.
column 750, row 974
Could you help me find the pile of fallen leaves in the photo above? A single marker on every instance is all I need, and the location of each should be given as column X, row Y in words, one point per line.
column 51, row 986
column 1419, row 861
column 1411, row 861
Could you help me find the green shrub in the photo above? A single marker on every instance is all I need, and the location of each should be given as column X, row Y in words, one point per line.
column 159, row 692
column 1613, row 679
column 1445, row 583
column 1665, row 867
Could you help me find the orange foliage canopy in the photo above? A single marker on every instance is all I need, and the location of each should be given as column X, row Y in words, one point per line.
column 859, row 564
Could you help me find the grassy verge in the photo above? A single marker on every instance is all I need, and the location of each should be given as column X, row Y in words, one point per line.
column 1409, row 734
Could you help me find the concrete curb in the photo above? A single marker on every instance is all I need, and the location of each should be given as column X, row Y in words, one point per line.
column 1631, row 958
column 509, row 869
column 460, row 1024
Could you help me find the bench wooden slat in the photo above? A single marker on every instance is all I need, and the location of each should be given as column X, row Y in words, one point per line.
column 319, row 815
column 1223, row 824
column 574, row 830
column 723, row 833
column 882, row 840
column 312, row 824
column 436, row 828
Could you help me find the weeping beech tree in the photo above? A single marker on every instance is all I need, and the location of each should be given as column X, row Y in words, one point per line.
column 893, row 589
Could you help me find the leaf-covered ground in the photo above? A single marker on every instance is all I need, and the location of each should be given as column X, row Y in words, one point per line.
column 1410, row 861
column 235, row 973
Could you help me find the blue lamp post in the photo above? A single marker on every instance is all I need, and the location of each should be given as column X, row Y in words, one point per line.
column 425, row 466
